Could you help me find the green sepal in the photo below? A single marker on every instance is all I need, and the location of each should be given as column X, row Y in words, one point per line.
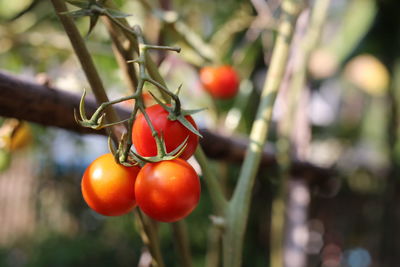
column 181, row 117
column 186, row 112
column 169, row 156
column 78, row 13
column 82, row 110
column 93, row 21
column 160, row 102
column 117, row 14
column 78, row 3
column 178, row 90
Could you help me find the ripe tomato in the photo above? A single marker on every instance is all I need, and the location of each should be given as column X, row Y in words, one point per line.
column 221, row 82
column 168, row 190
column 108, row 187
column 173, row 132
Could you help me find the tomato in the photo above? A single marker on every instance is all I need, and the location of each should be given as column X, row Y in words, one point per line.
column 173, row 132
column 168, row 190
column 221, row 82
column 108, row 187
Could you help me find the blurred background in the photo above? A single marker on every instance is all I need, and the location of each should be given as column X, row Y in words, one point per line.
column 344, row 118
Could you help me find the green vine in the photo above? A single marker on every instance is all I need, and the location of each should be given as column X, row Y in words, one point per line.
column 124, row 154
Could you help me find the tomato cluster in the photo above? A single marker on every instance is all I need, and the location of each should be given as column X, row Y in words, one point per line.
column 166, row 191
column 221, row 82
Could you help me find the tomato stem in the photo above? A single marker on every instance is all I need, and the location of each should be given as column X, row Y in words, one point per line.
column 216, row 193
column 99, row 91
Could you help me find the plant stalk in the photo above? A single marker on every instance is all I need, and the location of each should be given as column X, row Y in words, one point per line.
column 99, row 91
column 216, row 193
column 181, row 239
column 150, row 65
column 281, row 224
column 86, row 62
column 239, row 206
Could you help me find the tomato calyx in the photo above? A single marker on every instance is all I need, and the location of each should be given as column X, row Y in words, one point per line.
column 97, row 120
column 129, row 158
column 93, row 9
column 176, row 112
column 123, row 155
column 163, row 155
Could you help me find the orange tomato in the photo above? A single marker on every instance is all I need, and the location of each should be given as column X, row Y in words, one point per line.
column 221, row 82
column 108, row 187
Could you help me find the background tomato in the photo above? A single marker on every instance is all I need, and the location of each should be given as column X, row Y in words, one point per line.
column 22, row 137
column 221, row 82
column 168, row 190
column 108, row 187
column 173, row 132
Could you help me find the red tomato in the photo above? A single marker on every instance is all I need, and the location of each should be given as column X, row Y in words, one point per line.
column 168, row 190
column 173, row 132
column 221, row 82
column 108, row 187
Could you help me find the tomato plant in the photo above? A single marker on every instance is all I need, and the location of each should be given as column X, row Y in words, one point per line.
column 168, row 190
column 174, row 133
column 221, row 82
column 108, row 187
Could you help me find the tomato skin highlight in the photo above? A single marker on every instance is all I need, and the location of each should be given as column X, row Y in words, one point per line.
column 167, row 191
column 173, row 132
column 108, row 187
column 221, row 82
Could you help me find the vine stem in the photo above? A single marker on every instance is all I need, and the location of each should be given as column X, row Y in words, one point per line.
column 281, row 224
column 96, row 84
column 120, row 28
column 216, row 194
column 239, row 205
column 121, row 24
column 86, row 62
column 124, row 52
column 181, row 238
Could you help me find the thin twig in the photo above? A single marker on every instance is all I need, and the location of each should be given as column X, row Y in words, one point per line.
column 181, row 239
column 86, row 61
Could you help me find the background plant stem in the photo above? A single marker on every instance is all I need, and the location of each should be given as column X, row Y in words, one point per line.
column 239, row 206
column 181, row 239
column 150, row 64
column 216, row 194
column 86, row 61
column 282, row 225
